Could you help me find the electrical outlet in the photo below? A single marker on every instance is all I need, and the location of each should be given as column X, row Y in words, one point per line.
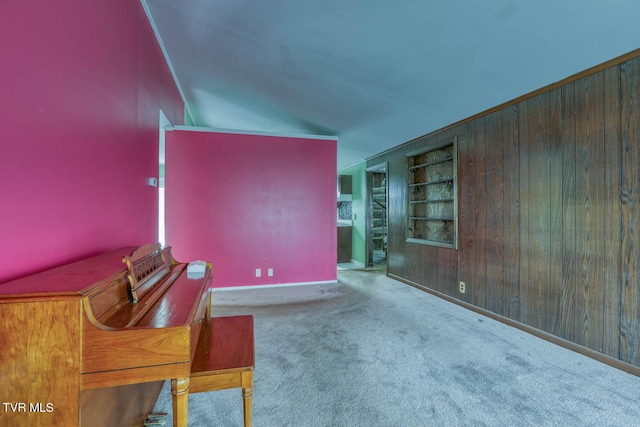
column 270, row 272
column 463, row 287
column 258, row 272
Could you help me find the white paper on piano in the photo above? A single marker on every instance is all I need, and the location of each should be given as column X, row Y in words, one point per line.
column 195, row 269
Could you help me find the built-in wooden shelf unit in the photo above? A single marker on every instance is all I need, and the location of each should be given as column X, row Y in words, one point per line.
column 432, row 211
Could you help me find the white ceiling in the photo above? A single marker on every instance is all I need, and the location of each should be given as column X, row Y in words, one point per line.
column 377, row 73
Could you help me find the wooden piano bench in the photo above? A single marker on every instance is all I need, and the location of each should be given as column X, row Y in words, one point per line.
column 225, row 358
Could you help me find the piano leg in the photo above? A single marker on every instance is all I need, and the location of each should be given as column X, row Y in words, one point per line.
column 180, row 400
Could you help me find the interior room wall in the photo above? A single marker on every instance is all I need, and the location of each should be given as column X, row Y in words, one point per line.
column 358, row 188
column 548, row 212
column 81, row 86
column 248, row 202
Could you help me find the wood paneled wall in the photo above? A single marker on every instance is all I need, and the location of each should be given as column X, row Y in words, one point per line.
column 549, row 214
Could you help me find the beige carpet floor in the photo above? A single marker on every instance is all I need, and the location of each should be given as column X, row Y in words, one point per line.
column 371, row 351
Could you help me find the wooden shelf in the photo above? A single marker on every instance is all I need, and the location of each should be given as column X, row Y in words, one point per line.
column 428, row 218
column 431, row 201
column 413, row 168
column 439, row 181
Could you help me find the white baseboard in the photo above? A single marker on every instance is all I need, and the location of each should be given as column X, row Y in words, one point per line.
column 275, row 285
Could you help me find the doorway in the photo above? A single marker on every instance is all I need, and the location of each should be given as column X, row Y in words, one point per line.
column 164, row 124
column 377, row 216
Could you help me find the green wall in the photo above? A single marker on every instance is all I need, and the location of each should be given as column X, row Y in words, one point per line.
column 358, row 183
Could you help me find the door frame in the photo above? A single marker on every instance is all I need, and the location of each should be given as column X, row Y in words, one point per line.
column 380, row 167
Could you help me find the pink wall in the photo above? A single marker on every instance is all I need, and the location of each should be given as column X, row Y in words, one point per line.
column 81, row 83
column 246, row 202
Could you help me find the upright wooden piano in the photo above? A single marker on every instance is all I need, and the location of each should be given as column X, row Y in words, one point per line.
column 90, row 343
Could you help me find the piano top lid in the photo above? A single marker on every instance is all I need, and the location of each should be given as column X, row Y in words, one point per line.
column 69, row 279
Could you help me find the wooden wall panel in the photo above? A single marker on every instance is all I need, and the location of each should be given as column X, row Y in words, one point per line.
column 589, row 210
column 556, row 209
column 630, row 220
column 414, row 264
column 467, row 200
column 564, row 322
column 548, row 212
column 478, row 285
column 447, row 271
column 612, row 203
column 497, row 294
column 428, row 274
column 448, row 258
column 525, row 208
column 512, row 245
column 535, row 184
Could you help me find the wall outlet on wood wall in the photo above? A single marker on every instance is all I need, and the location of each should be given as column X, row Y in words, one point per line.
column 463, row 287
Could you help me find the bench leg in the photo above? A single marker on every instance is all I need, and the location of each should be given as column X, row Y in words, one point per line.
column 247, row 396
column 180, row 401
